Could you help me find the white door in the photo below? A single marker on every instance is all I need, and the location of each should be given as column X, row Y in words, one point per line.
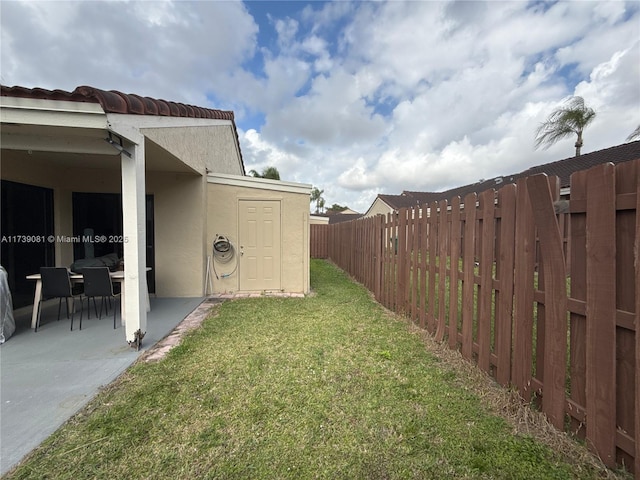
column 259, row 240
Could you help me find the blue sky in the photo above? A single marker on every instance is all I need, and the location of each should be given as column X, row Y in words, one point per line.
column 356, row 98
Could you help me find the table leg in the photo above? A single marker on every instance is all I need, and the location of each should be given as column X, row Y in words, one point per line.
column 37, row 298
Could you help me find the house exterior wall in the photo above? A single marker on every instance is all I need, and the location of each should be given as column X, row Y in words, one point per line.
column 201, row 148
column 179, row 215
column 179, row 223
column 222, row 219
column 378, row 208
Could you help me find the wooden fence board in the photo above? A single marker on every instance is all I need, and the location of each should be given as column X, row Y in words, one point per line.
column 442, row 270
column 422, row 221
column 505, row 269
column 454, row 255
column 523, row 292
column 403, row 262
column 578, row 325
column 485, row 288
column 415, row 266
column 432, row 252
column 601, row 308
column 468, row 264
column 555, row 337
column 637, row 333
column 395, row 263
column 626, row 279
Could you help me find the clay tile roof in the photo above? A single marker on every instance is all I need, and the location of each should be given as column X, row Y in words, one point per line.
column 113, row 101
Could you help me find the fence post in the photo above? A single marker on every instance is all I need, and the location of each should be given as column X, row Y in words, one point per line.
column 555, row 337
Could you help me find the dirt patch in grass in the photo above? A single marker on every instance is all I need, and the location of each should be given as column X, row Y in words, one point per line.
column 191, row 322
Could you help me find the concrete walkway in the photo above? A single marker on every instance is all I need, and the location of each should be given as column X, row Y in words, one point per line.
column 48, row 376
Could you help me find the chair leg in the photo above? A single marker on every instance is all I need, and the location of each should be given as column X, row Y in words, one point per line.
column 60, row 305
column 82, row 308
column 95, row 306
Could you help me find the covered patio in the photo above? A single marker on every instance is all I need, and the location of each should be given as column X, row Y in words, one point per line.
column 48, row 376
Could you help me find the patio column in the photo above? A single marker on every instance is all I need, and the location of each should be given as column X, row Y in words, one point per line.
column 134, row 303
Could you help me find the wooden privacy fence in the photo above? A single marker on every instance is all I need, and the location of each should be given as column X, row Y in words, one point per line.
column 319, row 236
column 489, row 275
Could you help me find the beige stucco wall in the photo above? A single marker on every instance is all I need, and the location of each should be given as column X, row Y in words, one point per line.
column 179, row 223
column 179, row 211
column 222, row 215
column 201, row 148
column 378, row 208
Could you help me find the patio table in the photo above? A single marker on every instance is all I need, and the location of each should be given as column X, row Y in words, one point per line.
column 117, row 276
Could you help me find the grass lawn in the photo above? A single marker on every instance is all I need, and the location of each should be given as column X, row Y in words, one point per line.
column 330, row 386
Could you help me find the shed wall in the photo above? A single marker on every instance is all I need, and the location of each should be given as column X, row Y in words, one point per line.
column 222, row 219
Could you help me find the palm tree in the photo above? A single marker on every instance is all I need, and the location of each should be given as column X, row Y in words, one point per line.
column 635, row 135
column 316, row 196
column 569, row 119
column 268, row 172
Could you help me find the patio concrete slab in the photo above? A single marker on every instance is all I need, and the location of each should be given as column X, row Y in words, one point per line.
column 48, row 376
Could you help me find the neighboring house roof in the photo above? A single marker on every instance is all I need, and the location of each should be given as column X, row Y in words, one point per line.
column 561, row 168
column 346, row 211
column 113, row 101
column 564, row 168
column 345, row 217
column 398, row 201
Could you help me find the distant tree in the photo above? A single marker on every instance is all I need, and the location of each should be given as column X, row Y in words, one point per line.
column 570, row 119
column 335, row 208
column 268, row 172
column 316, row 196
column 635, row 135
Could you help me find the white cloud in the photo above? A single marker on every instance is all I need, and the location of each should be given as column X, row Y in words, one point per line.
column 159, row 49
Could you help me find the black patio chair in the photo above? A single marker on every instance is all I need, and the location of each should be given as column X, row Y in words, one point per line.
column 97, row 283
column 56, row 283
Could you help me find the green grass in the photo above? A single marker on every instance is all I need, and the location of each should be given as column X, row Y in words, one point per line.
column 329, row 386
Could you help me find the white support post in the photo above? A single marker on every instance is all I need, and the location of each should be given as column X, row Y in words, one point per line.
column 134, row 308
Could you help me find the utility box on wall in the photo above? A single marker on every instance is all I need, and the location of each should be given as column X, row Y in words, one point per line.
column 266, row 225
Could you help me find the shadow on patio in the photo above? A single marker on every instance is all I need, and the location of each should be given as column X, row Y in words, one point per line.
column 46, row 377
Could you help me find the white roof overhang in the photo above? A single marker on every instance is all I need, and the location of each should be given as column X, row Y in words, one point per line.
column 259, row 183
